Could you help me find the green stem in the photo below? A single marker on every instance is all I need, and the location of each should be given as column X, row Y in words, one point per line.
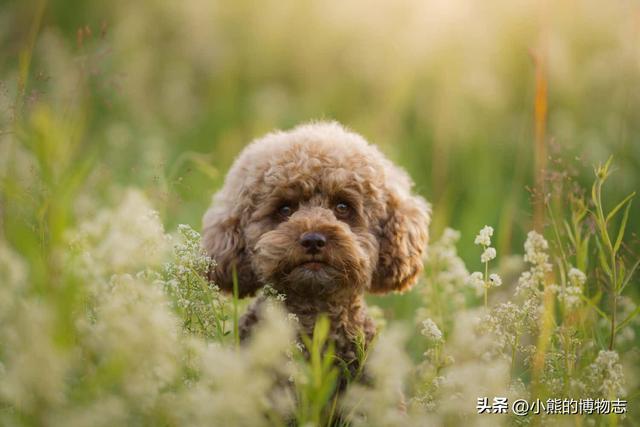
column 613, row 273
column 614, row 289
column 486, row 281
column 613, row 319
column 486, row 293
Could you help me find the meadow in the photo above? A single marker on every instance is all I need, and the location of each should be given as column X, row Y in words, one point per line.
column 519, row 121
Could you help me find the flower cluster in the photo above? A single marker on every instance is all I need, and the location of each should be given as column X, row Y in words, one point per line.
column 510, row 324
column 531, row 282
column 431, row 330
column 484, row 236
column 204, row 310
column 479, row 281
column 570, row 295
column 125, row 239
column 382, row 404
column 122, row 357
column 577, row 277
column 605, row 376
column 445, row 278
column 488, row 255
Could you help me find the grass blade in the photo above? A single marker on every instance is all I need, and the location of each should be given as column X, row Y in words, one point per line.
column 629, row 318
column 629, row 275
column 623, row 225
column 619, row 206
column 602, row 258
column 594, row 306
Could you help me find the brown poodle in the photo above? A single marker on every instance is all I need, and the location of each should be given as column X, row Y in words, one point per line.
column 323, row 217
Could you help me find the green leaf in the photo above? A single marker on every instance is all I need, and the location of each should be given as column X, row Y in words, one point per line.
column 619, row 206
column 569, row 233
column 320, row 331
column 306, row 340
column 608, row 163
column 602, row 258
column 623, row 225
column 622, row 271
column 594, row 306
column 583, row 254
column 629, row 275
column 594, row 194
column 629, row 318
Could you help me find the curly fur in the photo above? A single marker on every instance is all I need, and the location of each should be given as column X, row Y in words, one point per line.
column 376, row 247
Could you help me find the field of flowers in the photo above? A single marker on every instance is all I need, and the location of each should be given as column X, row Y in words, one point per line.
column 519, row 120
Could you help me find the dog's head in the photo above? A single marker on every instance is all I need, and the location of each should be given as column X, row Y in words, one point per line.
column 316, row 211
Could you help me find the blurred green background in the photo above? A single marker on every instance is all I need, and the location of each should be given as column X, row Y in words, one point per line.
column 163, row 95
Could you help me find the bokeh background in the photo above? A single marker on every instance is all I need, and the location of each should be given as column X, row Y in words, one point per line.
column 162, row 95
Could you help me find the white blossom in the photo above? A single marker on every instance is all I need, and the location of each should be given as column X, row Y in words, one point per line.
column 380, row 405
column 606, row 375
column 488, row 255
column 33, row 374
column 123, row 239
column 495, row 280
column 484, row 237
column 445, row 279
column 431, row 330
column 531, row 282
column 535, row 250
column 570, row 296
column 476, row 281
column 577, row 277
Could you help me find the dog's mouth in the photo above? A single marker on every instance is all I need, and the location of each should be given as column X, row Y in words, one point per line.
column 313, row 265
column 312, row 276
column 312, row 268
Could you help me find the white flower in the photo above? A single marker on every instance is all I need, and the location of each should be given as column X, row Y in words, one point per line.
column 495, row 280
column 293, row 318
column 33, row 365
column 535, row 250
column 554, row 289
column 476, row 281
column 379, row 405
column 488, row 255
column 577, row 277
column 484, row 237
column 123, row 239
column 446, row 279
column 570, row 296
column 431, row 330
column 606, row 375
column 133, row 318
column 449, row 237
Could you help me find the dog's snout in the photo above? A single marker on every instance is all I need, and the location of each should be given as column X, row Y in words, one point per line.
column 313, row 242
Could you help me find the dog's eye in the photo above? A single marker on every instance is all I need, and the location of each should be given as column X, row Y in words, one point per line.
column 342, row 209
column 285, row 210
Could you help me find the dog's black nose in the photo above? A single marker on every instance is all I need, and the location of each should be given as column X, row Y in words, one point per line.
column 313, row 241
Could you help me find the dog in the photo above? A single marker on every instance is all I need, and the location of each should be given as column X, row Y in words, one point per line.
column 323, row 217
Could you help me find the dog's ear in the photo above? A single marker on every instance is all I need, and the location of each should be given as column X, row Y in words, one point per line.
column 223, row 241
column 403, row 240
